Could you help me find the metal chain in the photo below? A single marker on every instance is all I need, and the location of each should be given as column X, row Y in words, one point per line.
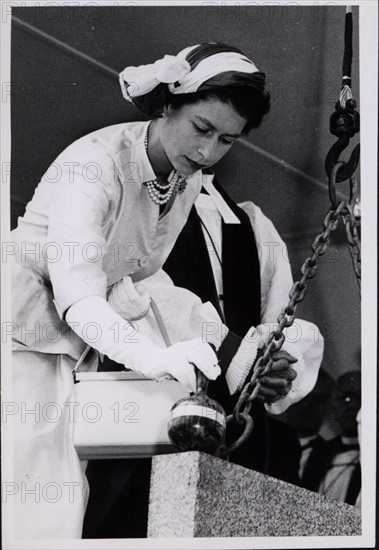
column 354, row 242
column 350, row 225
column 297, row 293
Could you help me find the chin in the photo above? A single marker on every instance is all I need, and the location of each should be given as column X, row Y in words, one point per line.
column 185, row 171
column 184, row 168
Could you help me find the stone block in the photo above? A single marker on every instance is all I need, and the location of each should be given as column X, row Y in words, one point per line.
column 196, row 495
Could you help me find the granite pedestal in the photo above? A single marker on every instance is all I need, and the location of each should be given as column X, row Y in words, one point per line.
column 196, row 495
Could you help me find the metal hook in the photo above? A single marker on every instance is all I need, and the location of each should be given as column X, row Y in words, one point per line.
column 347, row 169
column 332, row 189
column 344, row 123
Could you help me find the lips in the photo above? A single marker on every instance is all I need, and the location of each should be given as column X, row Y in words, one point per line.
column 194, row 164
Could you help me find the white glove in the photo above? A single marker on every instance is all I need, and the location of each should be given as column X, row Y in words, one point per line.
column 98, row 325
column 129, row 301
column 177, row 361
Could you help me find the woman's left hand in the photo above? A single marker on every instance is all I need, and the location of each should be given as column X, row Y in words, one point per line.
column 130, row 301
column 277, row 383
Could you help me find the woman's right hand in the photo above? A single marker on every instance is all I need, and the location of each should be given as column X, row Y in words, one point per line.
column 177, row 361
column 140, row 353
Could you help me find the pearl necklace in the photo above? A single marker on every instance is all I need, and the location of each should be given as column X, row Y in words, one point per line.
column 160, row 193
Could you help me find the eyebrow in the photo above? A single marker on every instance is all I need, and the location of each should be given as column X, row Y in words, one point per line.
column 211, row 127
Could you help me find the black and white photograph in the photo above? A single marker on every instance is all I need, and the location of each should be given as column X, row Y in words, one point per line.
column 188, row 332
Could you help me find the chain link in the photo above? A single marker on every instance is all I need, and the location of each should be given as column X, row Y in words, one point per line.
column 297, row 293
column 351, row 229
column 354, row 243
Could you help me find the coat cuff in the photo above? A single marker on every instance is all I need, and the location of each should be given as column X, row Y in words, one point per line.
column 236, row 356
column 307, row 345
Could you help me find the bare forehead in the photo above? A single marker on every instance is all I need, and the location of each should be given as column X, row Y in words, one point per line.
column 218, row 115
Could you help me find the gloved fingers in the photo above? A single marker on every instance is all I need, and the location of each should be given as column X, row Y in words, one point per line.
column 159, row 367
column 127, row 301
column 142, row 291
column 211, row 371
column 137, row 295
column 166, row 378
column 171, row 361
column 202, row 355
column 129, row 288
column 184, row 373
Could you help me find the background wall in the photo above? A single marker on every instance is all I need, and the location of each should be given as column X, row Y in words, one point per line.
column 65, row 62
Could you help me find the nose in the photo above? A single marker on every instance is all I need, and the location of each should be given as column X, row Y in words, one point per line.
column 207, row 151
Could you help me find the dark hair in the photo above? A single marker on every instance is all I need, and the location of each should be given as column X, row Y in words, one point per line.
column 251, row 103
column 325, row 381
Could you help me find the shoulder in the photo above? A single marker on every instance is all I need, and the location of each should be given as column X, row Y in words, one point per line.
column 253, row 211
column 263, row 227
column 117, row 136
column 105, row 142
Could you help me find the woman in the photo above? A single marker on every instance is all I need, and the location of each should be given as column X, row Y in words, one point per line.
column 124, row 195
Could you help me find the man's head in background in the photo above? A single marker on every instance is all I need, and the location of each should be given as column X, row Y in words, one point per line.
column 307, row 415
column 347, row 402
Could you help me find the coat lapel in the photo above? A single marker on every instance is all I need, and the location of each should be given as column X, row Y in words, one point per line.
column 189, row 265
column 240, row 271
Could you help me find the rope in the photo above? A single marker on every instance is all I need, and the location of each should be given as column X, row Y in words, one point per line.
column 346, row 93
column 348, row 53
